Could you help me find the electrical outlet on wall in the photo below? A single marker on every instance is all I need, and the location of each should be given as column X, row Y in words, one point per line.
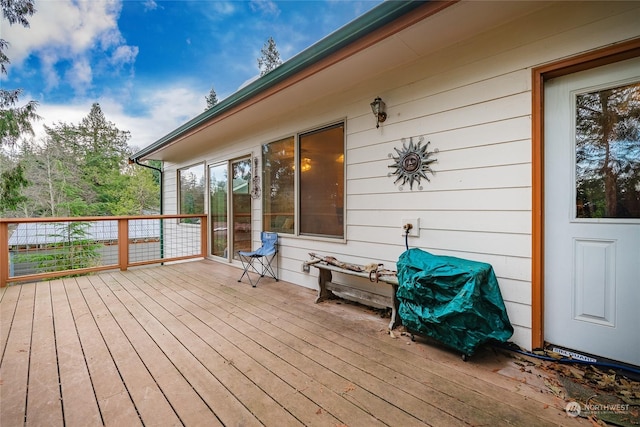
column 413, row 224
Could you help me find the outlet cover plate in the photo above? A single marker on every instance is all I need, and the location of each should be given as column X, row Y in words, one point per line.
column 415, row 226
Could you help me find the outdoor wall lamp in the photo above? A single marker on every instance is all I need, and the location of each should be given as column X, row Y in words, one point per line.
column 378, row 106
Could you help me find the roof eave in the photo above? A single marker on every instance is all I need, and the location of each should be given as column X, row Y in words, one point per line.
column 376, row 18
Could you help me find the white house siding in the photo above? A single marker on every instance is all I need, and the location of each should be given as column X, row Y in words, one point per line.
column 472, row 101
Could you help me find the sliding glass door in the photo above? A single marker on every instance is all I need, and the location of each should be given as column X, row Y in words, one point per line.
column 241, row 205
column 230, row 198
column 218, row 209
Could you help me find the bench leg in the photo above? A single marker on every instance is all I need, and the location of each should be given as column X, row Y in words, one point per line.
column 324, row 293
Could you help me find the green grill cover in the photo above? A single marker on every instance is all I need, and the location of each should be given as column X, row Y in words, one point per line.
column 453, row 300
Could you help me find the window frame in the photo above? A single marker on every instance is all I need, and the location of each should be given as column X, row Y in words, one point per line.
column 266, row 190
column 179, row 207
column 296, row 139
column 309, row 132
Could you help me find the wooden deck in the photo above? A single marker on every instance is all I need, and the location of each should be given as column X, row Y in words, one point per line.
column 186, row 344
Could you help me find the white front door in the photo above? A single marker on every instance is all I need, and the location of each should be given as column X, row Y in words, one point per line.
column 592, row 211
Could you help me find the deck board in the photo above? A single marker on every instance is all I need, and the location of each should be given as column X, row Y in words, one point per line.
column 9, row 300
column 149, row 400
column 477, row 394
column 202, row 338
column 44, row 406
column 112, row 397
column 429, row 404
column 14, row 369
column 79, row 404
column 185, row 344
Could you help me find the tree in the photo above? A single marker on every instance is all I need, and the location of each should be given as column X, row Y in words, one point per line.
column 14, row 120
column 105, row 152
column 269, row 57
column 78, row 170
column 141, row 193
column 11, row 182
column 608, row 153
column 212, row 99
column 75, row 248
column 55, row 173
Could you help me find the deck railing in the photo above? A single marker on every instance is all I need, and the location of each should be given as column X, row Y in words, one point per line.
column 33, row 249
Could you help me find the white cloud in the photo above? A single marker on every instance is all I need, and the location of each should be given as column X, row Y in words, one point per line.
column 67, row 25
column 150, row 5
column 69, row 30
column 223, row 8
column 124, row 55
column 49, row 73
column 267, row 7
column 80, row 75
column 168, row 108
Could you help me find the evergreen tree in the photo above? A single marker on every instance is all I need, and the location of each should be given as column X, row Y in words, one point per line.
column 141, row 192
column 269, row 57
column 212, row 99
column 14, row 121
column 608, row 153
column 74, row 249
column 105, row 152
column 78, row 170
column 11, row 181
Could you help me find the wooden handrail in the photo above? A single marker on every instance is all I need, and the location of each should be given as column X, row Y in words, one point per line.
column 122, row 239
column 98, row 218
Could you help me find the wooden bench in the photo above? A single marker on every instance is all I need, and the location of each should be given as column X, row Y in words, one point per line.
column 326, row 288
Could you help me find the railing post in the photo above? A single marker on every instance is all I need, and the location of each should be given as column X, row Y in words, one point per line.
column 203, row 236
column 4, row 254
column 123, row 243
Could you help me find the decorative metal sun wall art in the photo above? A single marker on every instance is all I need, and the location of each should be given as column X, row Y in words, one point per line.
column 412, row 163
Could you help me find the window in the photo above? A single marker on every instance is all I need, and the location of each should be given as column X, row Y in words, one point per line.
column 321, row 166
column 278, row 165
column 191, row 192
column 608, row 153
column 318, row 172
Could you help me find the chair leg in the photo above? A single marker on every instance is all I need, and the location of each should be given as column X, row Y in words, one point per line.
column 248, row 264
column 268, row 267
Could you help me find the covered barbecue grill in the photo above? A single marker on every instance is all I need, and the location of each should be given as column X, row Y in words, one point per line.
column 453, row 300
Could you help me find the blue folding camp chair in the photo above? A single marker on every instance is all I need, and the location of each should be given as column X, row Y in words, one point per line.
column 265, row 256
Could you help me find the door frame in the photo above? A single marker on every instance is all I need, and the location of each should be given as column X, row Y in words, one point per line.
column 608, row 55
column 231, row 209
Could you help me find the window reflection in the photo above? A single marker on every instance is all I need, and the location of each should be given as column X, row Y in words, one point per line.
column 218, row 209
column 279, row 177
column 241, row 206
column 191, row 188
column 608, row 153
column 322, row 182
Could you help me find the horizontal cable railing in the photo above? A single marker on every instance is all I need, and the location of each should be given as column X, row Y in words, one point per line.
column 43, row 248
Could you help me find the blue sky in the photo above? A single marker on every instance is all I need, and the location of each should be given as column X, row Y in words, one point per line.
column 151, row 63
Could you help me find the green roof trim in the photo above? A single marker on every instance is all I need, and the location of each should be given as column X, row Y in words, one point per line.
column 376, row 18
